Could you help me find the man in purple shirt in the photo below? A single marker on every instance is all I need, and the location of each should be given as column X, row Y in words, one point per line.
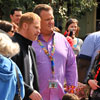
column 56, row 61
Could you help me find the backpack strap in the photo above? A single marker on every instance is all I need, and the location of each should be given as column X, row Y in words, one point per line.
column 18, row 82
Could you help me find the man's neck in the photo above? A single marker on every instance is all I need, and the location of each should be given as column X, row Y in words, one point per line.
column 47, row 37
column 22, row 33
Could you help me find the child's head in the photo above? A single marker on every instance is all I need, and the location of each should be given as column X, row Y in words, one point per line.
column 70, row 96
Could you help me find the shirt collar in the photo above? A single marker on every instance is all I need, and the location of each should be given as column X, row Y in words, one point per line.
column 40, row 37
column 23, row 39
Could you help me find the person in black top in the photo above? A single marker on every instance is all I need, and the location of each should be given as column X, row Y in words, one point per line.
column 29, row 29
column 93, row 79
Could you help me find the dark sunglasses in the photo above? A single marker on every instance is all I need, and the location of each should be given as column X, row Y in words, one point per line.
column 12, row 31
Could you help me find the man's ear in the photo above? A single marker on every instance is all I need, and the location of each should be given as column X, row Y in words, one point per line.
column 25, row 26
column 11, row 17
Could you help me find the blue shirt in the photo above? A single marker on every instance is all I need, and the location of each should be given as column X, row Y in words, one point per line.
column 90, row 47
column 8, row 79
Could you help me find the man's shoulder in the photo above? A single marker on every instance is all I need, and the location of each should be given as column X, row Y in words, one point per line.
column 17, row 38
column 97, row 34
column 92, row 38
column 59, row 35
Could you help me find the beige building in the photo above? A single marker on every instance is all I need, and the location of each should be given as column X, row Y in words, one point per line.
column 89, row 22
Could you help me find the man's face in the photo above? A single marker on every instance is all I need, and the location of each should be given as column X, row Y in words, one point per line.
column 16, row 17
column 47, row 22
column 33, row 30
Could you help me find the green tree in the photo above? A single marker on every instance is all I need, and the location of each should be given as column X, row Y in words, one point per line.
column 7, row 5
column 62, row 8
column 80, row 7
column 73, row 8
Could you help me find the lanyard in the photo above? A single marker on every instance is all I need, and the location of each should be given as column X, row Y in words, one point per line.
column 49, row 55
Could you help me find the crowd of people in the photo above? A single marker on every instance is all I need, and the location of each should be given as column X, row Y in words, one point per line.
column 43, row 63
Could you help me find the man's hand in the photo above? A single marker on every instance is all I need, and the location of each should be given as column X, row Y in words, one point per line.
column 93, row 84
column 35, row 96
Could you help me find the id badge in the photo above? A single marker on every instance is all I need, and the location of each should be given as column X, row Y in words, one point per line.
column 53, row 84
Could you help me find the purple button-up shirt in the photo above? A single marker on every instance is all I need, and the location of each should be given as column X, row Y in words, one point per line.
column 65, row 66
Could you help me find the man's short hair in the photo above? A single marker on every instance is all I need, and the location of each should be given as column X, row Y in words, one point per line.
column 15, row 9
column 28, row 18
column 41, row 7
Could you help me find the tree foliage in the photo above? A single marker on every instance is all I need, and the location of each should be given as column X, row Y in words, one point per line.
column 73, row 8
column 62, row 8
column 80, row 7
column 7, row 5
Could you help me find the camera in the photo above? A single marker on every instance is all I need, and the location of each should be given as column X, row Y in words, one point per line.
column 71, row 32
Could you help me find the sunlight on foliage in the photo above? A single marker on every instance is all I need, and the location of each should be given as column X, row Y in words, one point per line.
column 62, row 8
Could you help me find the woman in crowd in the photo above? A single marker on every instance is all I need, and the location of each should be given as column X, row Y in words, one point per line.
column 8, row 76
column 6, row 27
column 71, row 33
column 93, row 79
